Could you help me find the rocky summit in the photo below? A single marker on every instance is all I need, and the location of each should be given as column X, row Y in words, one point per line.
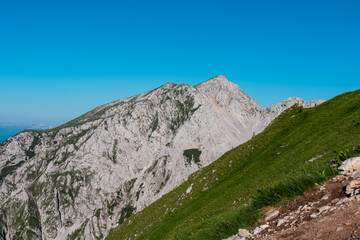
column 80, row 179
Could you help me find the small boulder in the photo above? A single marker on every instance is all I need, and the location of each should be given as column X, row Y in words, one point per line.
column 272, row 215
column 264, row 226
column 305, row 207
column 355, row 183
column 356, row 174
column 339, row 229
column 244, row 233
column 324, row 198
column 280, row 222
column 236, row 237
column 261, row 228
column 351, row 187
column 349, row 191
column 345, row 200
column 350, row 165
column 324, row 209
column 257, row 230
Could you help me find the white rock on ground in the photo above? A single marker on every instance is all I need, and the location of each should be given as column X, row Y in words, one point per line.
column 244, row 233
column 352, row 187
column 280, row 222
column 260, row 228
column 350, row 165
column 324, row 209
column 272, row 215
column 356, row 174
column 324, row 198
column 345, row 200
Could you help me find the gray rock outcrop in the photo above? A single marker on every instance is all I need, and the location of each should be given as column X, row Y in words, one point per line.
column 79, row 180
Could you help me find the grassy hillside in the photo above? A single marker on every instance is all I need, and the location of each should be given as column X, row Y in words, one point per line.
column 267, row 170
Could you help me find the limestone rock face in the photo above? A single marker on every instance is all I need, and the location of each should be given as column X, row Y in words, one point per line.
column 277, row 109
column 79, row 180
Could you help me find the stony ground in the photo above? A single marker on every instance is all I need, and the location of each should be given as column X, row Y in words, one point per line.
column 326, row 212
column 322, row 213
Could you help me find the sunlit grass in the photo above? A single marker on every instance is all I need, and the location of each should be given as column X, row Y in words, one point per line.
column 268, row 169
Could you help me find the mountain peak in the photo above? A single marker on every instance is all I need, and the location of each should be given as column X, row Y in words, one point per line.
column 217, row 83
column 220, row 76
column 130, row 151
column 220, row 79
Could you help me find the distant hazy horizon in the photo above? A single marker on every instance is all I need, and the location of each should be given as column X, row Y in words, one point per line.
column 8, row 132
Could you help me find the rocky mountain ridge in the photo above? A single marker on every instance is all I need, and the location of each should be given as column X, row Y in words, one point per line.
column 80, row 179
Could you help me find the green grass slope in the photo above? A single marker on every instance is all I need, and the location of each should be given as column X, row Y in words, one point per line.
column 267, row 170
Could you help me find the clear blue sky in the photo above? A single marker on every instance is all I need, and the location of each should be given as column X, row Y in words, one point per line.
column 60, row 59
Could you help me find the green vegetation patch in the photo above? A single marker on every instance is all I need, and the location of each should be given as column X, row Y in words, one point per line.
column 114, row 151
column 139, row 191
column 192, row 155
column 155, row 123
column 97, row 213
column 78, row 232
column 184, row 111
column 30, row 152
column 9, row 169
column 126, row 212
column 152, row 167
column 111, row 206
column 26, row 219
column 129, row 185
